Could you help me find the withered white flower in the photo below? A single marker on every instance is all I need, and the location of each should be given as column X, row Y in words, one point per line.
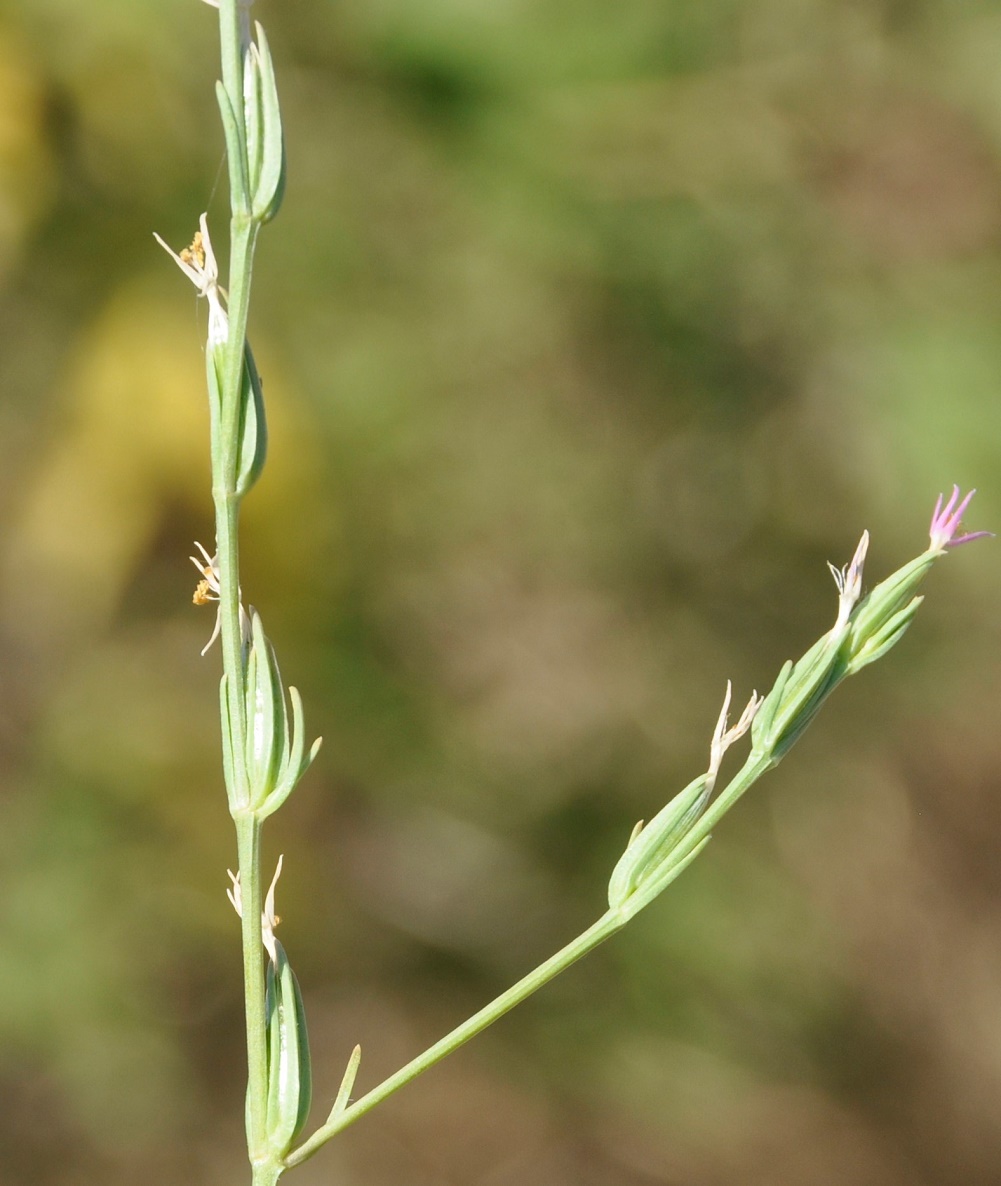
column 269, row 919
column 198, row 263
column 208, row 590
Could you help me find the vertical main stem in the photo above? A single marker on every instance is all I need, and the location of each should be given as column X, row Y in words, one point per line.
column 231, row 52
column 233, row 36
column 248, row 838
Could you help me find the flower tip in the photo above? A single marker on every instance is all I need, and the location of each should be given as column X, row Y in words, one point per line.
column 946, row 522
column 723, row 737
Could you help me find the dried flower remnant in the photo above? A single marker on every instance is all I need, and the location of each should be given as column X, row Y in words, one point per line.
column 849, row 581
column 947, row 520
column 207, row 590
column 208, row 586
column 269, row 919
column 723, row 737
column 198, row 263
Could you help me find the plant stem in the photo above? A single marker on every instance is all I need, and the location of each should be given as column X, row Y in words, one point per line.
column 248, row 838
column 231, row 52
column 597, row 933
column 752, row 769
column 266, row 1173
column 243, row 239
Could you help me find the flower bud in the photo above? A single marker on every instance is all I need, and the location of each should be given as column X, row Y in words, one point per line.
column 651, row 845
column 290, row 1081
column 657, row 853
column 276, row 757
column 803, row 686
column 882, row 617
column 253, row 426
column 267, row 738
column 265, row 139
column 796, row 696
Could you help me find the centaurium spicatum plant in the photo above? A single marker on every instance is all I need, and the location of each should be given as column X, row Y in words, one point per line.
column 263, row 734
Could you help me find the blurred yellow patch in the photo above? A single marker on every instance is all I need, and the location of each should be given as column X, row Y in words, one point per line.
column 26, row 171
column 134, row 441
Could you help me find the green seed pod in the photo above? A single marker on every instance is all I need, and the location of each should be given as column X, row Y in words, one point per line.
column 661, row 876
column 803, row 688
column 295, row 761
column 761, row 730
column 267, row 722
column 253, row 426
column 651, row 848
column 887, row 635
column 290, row 1084
column 265, row 139
column 887, row 611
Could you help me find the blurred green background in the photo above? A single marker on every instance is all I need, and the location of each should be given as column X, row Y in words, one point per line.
column 590, row 331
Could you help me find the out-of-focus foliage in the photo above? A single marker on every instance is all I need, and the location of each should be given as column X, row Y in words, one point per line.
column 589, row 332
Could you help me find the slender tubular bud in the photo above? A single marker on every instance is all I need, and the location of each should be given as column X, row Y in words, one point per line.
column 803, row 688
column 276, row 757
column 267, row 722
column 885, row 634
column 657, row 853
column 265, row 138
column 253, row 426
column 295, row 761
column 651, row 845
column 290, row 1083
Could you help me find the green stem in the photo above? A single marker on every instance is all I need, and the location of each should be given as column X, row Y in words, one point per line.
column 756, row 765
column 604, row 928
column 231, row 52
column 248, row 839
column 266, row 1173
column 226, row 451
column 227, row 504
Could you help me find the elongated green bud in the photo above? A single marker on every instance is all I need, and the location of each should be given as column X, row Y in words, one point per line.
column 650, row 845
column 253, row 426
column 657, row 853
column 275, row 746
column 295, row 761
column 267, row 722
column 290, row 1082
column 803, row 686
column 265, row 139
column 882, row 617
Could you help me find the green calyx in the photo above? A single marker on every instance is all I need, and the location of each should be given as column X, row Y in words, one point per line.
column 290, row 1081
column 656, row 849
column 265, row 153
column 275, row 756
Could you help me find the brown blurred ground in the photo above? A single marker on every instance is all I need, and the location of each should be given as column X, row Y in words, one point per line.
column 590, row 331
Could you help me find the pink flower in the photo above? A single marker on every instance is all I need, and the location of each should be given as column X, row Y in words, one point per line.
column 946, row 521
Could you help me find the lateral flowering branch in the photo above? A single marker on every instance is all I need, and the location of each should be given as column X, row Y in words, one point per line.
column 864, row 630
